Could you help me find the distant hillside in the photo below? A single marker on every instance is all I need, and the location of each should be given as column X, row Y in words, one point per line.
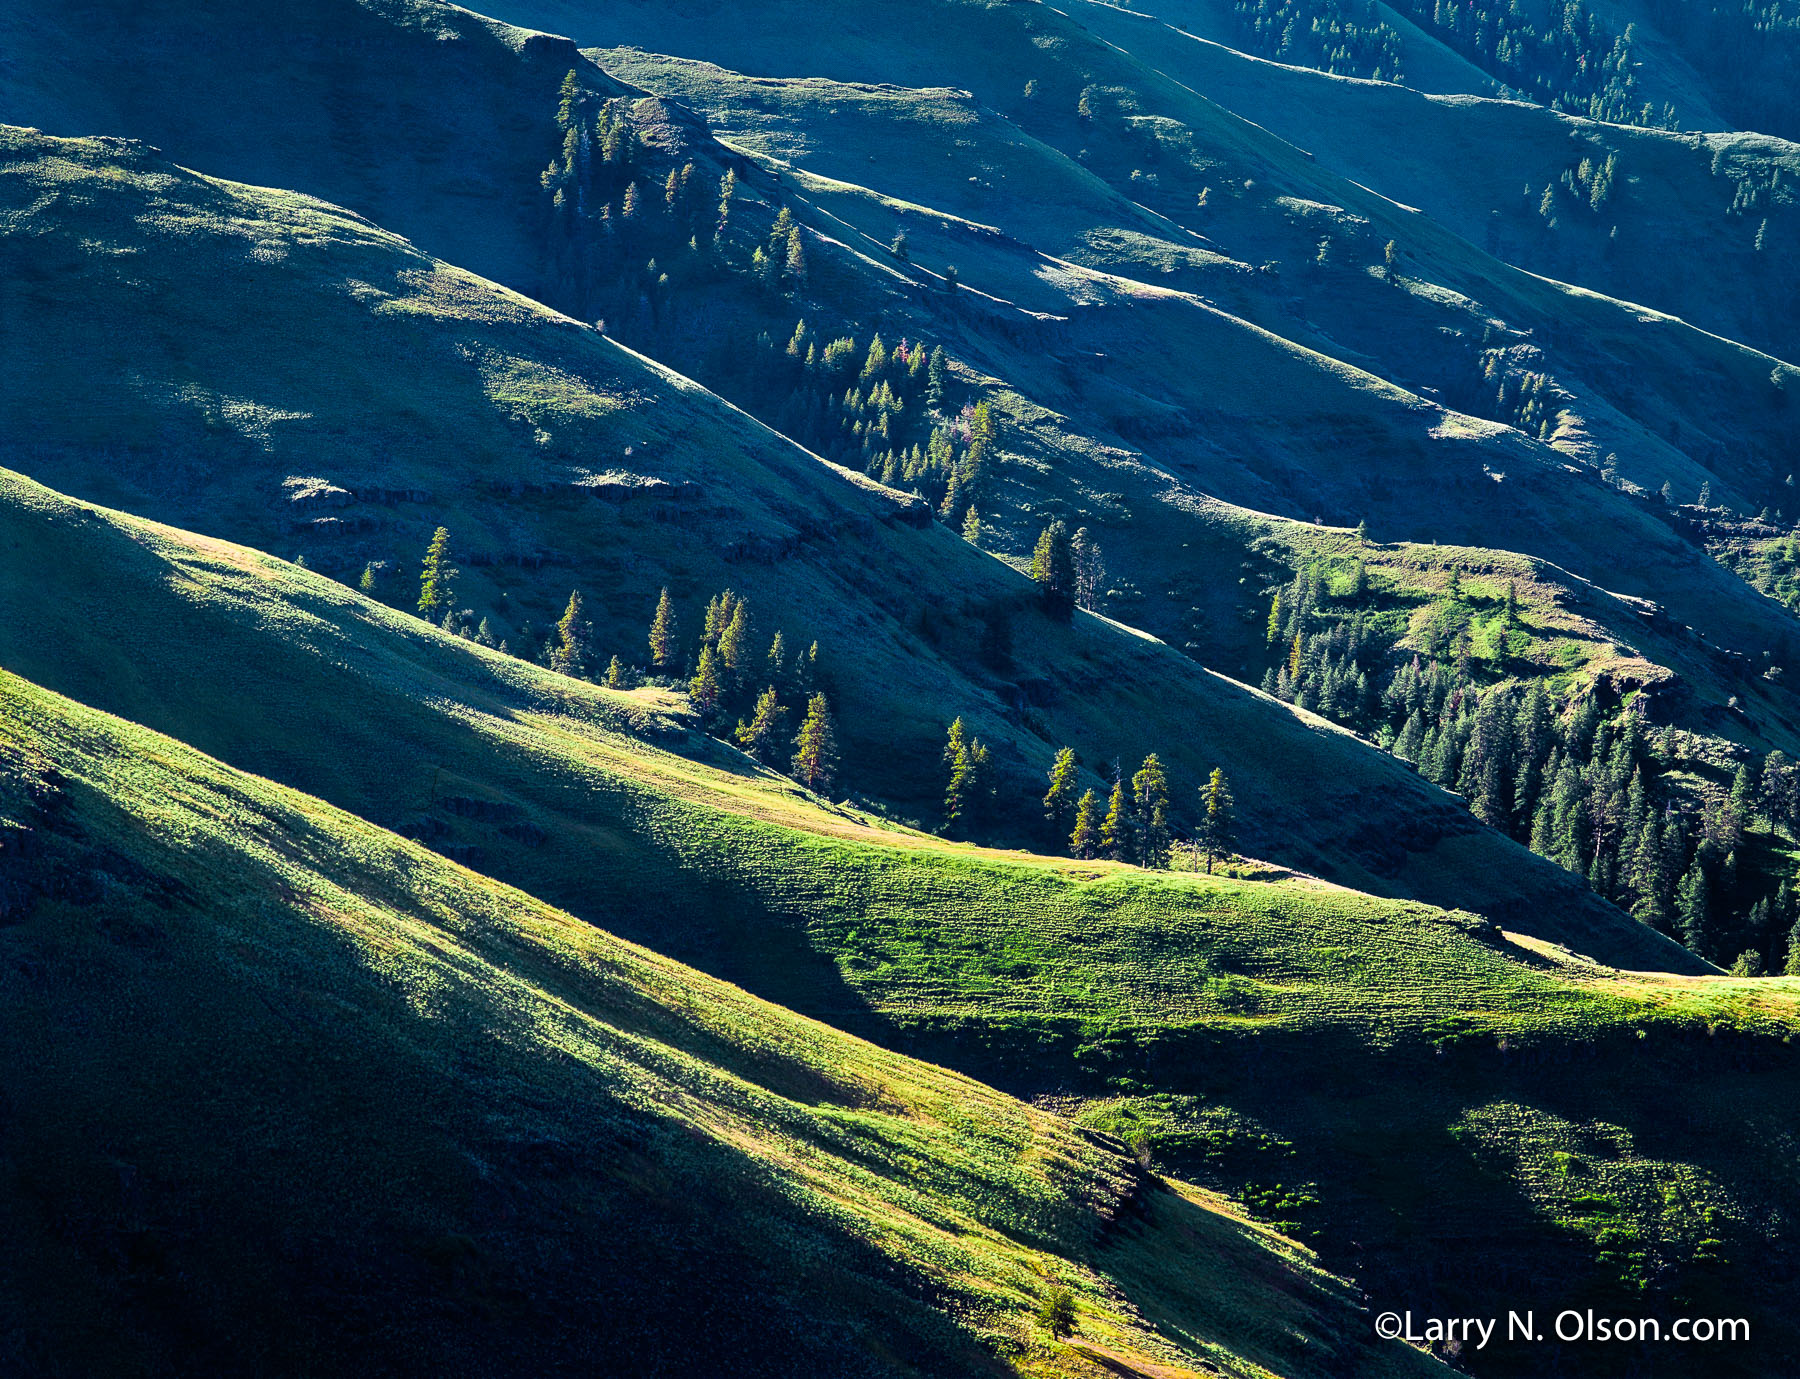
column 455, row 403
column 1699, row 227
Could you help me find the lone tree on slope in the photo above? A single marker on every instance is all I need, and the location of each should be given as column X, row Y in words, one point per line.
column 435, row 577
column 1218, row 827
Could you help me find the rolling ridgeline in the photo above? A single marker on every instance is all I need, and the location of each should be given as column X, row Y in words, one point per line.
column 338, row 1066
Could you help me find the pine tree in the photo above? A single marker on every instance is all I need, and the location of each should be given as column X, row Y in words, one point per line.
column 776, row 662
column 815, row 747
column 570, row 655
column 1150, row 805
column 706, row 688
column 762, row 735
column 1053, row 567
column 568, row 96
column 968, row 779
column 1218, row 825
column 1090, row 570
column 1059, row 800
column 1084, row 842
column 727, row 190
column 436, row 577
column 615, row 675
column 1693, row 901
column 796, row 259
column 662, row 633
column 971, row 527
column 734, row 643
column 937, row 375
column 1116, row 830
column 367, row 582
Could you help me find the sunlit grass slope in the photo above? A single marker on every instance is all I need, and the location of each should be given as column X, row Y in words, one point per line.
column 288, row 1094
column 1353, row 1066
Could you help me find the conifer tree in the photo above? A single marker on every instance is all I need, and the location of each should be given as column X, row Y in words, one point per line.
column 727, row 190
column 971, row 527
column 367, row 582
column 1089, row 570
column 1218, row 824
column 707, row 687
column 1694, row 903
column 1084, row 842
column 967, row 760
column 938, row 377
column 1059, row 800
column 796, row 259
column 1150, row 806
column 776, row 663
column 436, row 577
column 762, row 735
column 1115, row 830
column 615, row 675
column 568, row 96
column 570, row 655
column 1053, row 567
column 735, row 641
column 663, row 633
column 815, row 747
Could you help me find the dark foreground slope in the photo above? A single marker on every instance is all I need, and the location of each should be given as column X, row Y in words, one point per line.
column 286, row 1094
column 332, row 381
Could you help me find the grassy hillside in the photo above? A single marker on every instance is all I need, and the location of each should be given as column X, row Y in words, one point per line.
column 1184, row 1012
column 1140, row 432
column 455, row 403
column 1675, row 225
column 1616, row 377
column 1299, row 412
column 521, row 1145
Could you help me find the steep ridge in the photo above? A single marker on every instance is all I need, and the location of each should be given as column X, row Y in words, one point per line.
column 411, row 395
column 1618, row 375
column 1667, row 226
column 1276, row 427
column 515, row 1144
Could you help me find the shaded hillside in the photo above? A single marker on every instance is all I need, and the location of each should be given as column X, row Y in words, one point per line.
column 1670, row 220
column 1606, row 379
column 458, row 404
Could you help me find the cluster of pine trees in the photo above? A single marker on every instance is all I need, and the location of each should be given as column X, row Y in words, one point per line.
column 764, row 690
column 1070, row 571
column 609, row 215
column 624, row 244
column 726, row 673
column 1587, row 187
column 1524, row 399
column 1347, row 38
column 1559, row 53
column 1135, row 824
column 884, row 410
column 1593, row 793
